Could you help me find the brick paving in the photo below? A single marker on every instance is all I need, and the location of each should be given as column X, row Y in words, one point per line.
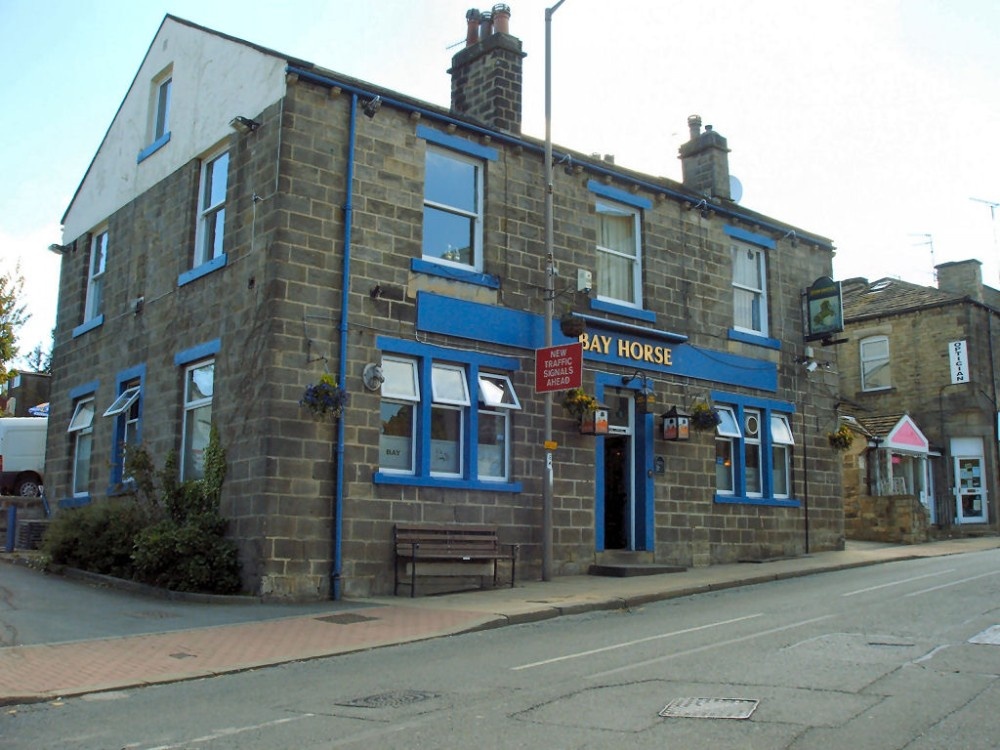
column 55, row 670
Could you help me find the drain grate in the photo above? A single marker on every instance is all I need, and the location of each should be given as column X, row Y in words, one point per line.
column 990, row 636
column 347, row 618
column 392, row 699
column 709, row 708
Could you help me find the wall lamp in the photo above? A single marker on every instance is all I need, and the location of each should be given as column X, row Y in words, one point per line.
column 372, row 106
column 794, row 237
column 59, row 249
column 812, row 365
column 243, row 124
column 645, row 397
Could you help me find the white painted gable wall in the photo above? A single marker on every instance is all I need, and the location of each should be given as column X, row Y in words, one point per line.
column 214, row 79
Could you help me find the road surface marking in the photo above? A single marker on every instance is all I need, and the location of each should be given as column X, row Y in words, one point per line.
column 708, row 647
column 955, row 583
column 626, row 644
column 897, row 583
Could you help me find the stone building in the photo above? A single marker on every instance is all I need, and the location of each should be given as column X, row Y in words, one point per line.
column 252, row 222
column 918, row 371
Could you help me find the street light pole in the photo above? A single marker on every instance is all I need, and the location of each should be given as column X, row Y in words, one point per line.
column 550, row 294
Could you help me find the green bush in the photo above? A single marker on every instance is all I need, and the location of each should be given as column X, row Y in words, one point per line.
column 193, row 556
column 98, row 537
column 167, row 533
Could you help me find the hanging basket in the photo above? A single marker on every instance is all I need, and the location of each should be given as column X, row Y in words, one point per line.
column 841, row 439
column 704, row 417
column 572, row 325
column 325, row 398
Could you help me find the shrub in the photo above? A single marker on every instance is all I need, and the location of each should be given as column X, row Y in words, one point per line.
column 193, row 556
column 167, row 533
column 98, row 537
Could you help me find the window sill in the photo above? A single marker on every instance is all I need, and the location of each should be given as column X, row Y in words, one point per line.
column 624, row 310
column 74, row 502
column 153, row 147
column 419, row 265
column 773, row 502
column 203, row 270
column 117, row 489
column 754, row 338
column 90, row 325
column 411, row 480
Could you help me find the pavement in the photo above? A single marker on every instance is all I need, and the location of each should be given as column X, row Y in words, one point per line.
column 63, row 636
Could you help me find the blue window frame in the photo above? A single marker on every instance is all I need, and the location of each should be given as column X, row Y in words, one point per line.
column 446, row 418
column 126, row 410
column 753, row 443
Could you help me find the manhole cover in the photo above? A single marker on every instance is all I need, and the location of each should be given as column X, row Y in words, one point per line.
column 709, row 708
column 393, row 699
column 990, row 636
column 347, row 618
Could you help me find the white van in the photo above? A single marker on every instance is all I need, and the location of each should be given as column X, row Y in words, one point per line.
column 22, row 455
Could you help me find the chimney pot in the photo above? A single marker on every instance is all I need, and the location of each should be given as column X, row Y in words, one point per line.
column 694, row 125
column 485, row 25
column 472, row 32
column 501, row 18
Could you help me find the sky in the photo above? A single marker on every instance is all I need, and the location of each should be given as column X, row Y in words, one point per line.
column 873, row 123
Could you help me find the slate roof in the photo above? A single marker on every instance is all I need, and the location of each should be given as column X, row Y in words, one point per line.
column 888, row 296
column 880, row 425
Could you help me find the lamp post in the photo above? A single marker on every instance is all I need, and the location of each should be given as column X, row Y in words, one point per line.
column 550, row 293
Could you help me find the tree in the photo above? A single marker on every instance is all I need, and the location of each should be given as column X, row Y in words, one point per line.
column 12, row 316
column 39, row 360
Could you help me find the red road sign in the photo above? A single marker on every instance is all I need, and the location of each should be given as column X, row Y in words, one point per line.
column 559, row 368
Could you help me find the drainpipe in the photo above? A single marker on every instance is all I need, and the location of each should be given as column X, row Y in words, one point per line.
column 338, row 502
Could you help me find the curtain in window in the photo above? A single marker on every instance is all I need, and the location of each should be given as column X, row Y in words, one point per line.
column 748, row 289
column 616, row 255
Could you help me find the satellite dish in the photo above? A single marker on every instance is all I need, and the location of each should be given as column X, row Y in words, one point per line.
column 735, row 189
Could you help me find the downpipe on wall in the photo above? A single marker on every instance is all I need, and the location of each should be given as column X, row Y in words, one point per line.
column 336, row 564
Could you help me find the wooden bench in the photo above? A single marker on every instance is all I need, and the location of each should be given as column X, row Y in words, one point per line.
column 416, row 544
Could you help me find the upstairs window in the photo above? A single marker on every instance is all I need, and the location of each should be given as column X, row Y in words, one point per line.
column 212, row 208
column 95, row 275
column 619, row 268
column 749, row 289
column 453, row 209
column 875, row 373
column 161, row 107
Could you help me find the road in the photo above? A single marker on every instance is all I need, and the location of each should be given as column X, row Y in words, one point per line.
column 901, row 655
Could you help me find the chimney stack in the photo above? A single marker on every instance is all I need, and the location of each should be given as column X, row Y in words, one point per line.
column 964, row 277
column 486, row 75
column 705, row 161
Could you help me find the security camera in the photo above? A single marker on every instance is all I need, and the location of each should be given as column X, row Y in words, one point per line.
column 811, row 365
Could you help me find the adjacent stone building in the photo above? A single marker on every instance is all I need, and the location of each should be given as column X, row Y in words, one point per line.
column 918, row 372
column 252, row 222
